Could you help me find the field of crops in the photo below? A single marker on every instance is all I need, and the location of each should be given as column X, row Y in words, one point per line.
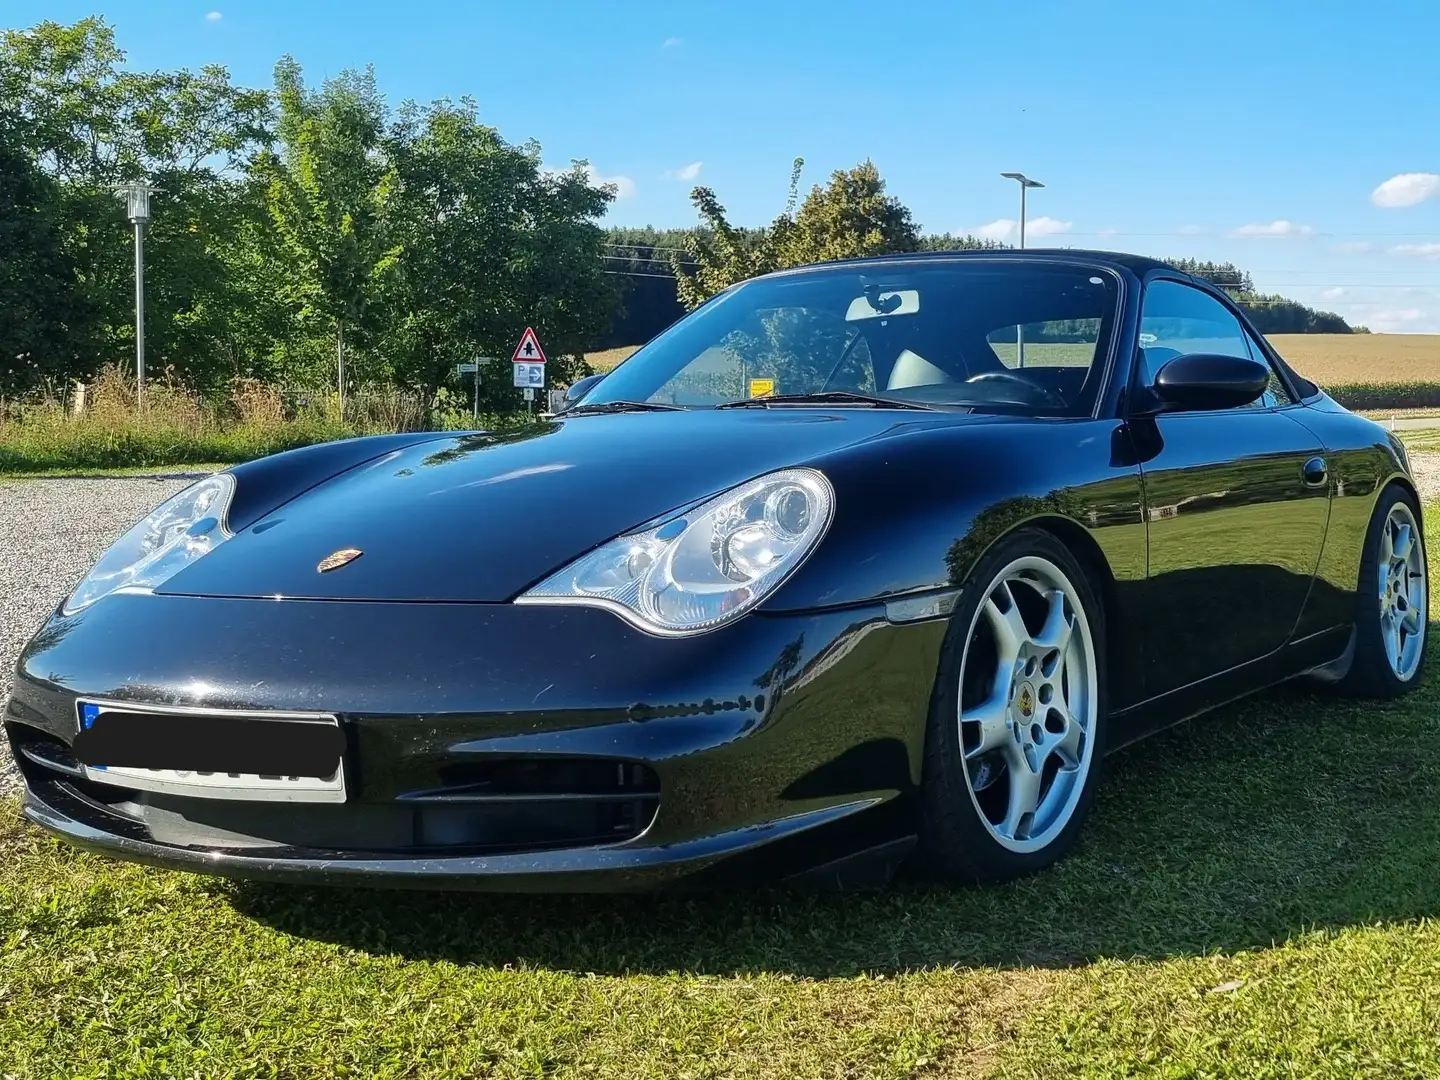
column 1343, row 359
column 1369, row 371
column 1364, row 371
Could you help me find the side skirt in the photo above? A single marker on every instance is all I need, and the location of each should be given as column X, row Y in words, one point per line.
column 1318, row 654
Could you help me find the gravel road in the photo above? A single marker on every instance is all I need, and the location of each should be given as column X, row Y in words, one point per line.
column 51, row 531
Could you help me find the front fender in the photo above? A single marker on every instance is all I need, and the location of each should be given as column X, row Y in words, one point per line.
column 915, row 513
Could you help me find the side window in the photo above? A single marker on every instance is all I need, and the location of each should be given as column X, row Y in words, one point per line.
column 1176, row 319
column 1275, row 391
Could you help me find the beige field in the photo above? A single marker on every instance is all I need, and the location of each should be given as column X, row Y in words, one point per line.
column 1329, row 359
column 1338, row 359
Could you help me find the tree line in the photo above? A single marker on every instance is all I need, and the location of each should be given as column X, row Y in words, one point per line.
column 317, row 237
column 300, row 234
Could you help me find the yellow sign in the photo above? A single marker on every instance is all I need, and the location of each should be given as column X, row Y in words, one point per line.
column 762, row 387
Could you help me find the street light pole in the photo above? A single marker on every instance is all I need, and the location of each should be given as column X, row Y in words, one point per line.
column 137, row 207
column 1025, row 184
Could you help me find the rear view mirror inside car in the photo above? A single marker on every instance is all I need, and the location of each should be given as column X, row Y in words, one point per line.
column 882, row 305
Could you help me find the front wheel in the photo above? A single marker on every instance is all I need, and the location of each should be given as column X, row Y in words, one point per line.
column 1017, row 723
column 1392, row 605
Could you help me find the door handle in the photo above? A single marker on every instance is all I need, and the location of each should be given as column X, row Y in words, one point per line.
column 1315, row 472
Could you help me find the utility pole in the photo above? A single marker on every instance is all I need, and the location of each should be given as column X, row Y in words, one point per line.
column 137, row 207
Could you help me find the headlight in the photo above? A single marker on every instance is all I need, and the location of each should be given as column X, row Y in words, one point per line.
column 174, row 536
column 704, row 567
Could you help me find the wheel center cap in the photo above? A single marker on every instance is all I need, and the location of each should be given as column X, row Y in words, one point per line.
column 1025, row 701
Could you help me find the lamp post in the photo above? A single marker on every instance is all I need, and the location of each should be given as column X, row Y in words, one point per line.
column 137, row 208
column 1025, row 184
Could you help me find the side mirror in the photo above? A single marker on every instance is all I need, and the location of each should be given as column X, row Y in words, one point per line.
column 579, row 388
column 1205, row 381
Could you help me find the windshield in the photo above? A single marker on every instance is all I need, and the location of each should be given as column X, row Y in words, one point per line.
column 991, row 335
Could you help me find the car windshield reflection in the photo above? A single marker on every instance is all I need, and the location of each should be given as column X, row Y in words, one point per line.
column 991, row 335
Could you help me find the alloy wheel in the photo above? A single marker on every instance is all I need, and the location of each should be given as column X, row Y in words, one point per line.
column 1402, row 591
column 1028, row 704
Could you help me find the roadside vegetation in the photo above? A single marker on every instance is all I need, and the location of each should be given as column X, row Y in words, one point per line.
column 176, row 426
column 1254, row 896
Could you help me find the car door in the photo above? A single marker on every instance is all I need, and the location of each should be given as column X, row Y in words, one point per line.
column 1236, row 504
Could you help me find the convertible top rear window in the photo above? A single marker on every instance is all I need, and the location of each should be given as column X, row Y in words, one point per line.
column 990, row 335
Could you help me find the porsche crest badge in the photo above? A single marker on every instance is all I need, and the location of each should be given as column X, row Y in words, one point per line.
column 334, row 561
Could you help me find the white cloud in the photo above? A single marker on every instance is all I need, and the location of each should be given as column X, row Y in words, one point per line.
column 624, row 186
column 1419, row 251
column 1407, row 189
column 996, row 230
column 1046, row 226
column 1352, row 247
column 1332, row 293
column 686, row 172
column 1008, row 228
column 1397, row 321
column 1190, row 230
column 671, row 43
column 1274, row 230
column 213, row 16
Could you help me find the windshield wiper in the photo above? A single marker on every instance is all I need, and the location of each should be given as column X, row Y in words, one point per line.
column 623, row 406
column 823, row 397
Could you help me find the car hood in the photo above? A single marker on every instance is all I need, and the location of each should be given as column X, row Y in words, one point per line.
column 483, row 517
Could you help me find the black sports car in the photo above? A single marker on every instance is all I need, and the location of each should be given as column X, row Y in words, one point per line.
column 860, row 562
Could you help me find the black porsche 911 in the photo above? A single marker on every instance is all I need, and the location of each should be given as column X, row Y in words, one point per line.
column 859, row 563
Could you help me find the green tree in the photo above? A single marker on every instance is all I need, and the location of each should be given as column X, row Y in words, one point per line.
column 1271, row 313
column 89, row 125
column 957, row 242
column 851, row 217
column 486, row 243
column 327, row 188
column 46, row 319
column 722, row 254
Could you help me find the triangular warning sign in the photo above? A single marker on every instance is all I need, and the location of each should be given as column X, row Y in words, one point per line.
column 528, row 351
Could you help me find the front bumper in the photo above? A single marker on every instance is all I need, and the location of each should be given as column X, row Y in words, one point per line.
column 782, row 746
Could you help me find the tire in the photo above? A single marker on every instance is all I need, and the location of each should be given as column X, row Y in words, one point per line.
column 1392, row 602
column 973, row 826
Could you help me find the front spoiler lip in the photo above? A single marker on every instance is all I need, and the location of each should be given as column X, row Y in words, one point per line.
column 618, row 868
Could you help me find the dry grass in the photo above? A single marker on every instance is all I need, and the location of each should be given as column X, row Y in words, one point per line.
column 178, row 426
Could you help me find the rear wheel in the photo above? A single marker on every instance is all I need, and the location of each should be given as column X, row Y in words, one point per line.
column 1392, row 606
column 1016, row 727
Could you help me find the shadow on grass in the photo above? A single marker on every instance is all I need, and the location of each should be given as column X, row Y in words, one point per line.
column 1289, row 813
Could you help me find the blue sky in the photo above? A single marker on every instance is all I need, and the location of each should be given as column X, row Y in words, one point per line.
column 1235, row 131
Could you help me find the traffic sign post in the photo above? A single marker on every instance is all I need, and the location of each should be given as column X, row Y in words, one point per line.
column 529, row 363
column 474, row 369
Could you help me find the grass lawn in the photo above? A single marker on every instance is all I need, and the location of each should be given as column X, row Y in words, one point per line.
column 1255, row 896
